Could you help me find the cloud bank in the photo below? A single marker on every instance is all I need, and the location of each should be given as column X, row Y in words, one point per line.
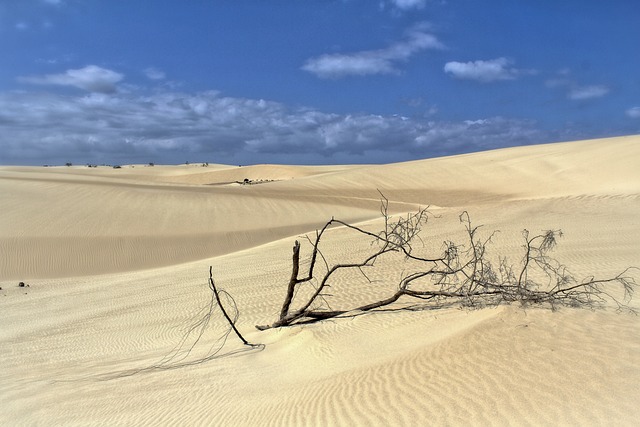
column 172, row 127
column 90, row 78
column 369, row 62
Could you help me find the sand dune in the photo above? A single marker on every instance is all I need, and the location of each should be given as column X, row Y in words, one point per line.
column 117, row 262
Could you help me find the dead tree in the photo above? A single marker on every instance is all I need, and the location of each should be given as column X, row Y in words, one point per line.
column 460, row 274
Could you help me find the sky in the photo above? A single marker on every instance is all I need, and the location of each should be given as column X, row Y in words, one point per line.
column 310, row 81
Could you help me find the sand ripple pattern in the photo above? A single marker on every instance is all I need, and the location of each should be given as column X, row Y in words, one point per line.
column 117, row 262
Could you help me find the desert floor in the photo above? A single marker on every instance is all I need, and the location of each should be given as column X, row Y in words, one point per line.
column 116, row 266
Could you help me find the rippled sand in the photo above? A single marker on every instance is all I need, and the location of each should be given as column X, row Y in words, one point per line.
column 116, row 262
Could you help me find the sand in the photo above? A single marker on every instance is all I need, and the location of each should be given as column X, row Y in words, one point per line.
column 116, row 262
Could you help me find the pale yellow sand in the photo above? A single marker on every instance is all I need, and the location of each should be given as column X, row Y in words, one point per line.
column 117, row 262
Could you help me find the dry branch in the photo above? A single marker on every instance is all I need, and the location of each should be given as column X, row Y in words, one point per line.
column 232, row 324
column 461, row 273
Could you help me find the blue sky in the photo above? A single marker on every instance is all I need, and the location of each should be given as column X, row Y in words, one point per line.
column 313, row 81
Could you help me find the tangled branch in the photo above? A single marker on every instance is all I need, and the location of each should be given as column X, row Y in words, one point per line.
column 460, row 274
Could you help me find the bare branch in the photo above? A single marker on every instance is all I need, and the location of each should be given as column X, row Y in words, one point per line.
column 232, row 323
column 461, row 274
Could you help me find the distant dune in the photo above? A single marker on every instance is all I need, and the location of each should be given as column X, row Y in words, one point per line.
column 117, row 262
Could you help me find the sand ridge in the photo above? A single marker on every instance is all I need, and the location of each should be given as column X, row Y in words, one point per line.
column 117, row 266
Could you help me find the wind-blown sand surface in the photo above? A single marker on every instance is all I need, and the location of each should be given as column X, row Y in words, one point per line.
column 117, row 264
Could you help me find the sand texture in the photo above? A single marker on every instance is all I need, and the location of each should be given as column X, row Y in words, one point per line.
column 116, row 262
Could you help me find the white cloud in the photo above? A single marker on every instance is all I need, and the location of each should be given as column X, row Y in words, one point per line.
column 483, row 71
column 168, row 126
column 634, row 112
column 90, row 78
column 336, row 66
column 53, row 2
column 580, row 93
column 22, row 26
column 368, row 62
column 574, row 91
column 409, row 4
column 481, row 134
column 57, row 60
column 154, row 73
